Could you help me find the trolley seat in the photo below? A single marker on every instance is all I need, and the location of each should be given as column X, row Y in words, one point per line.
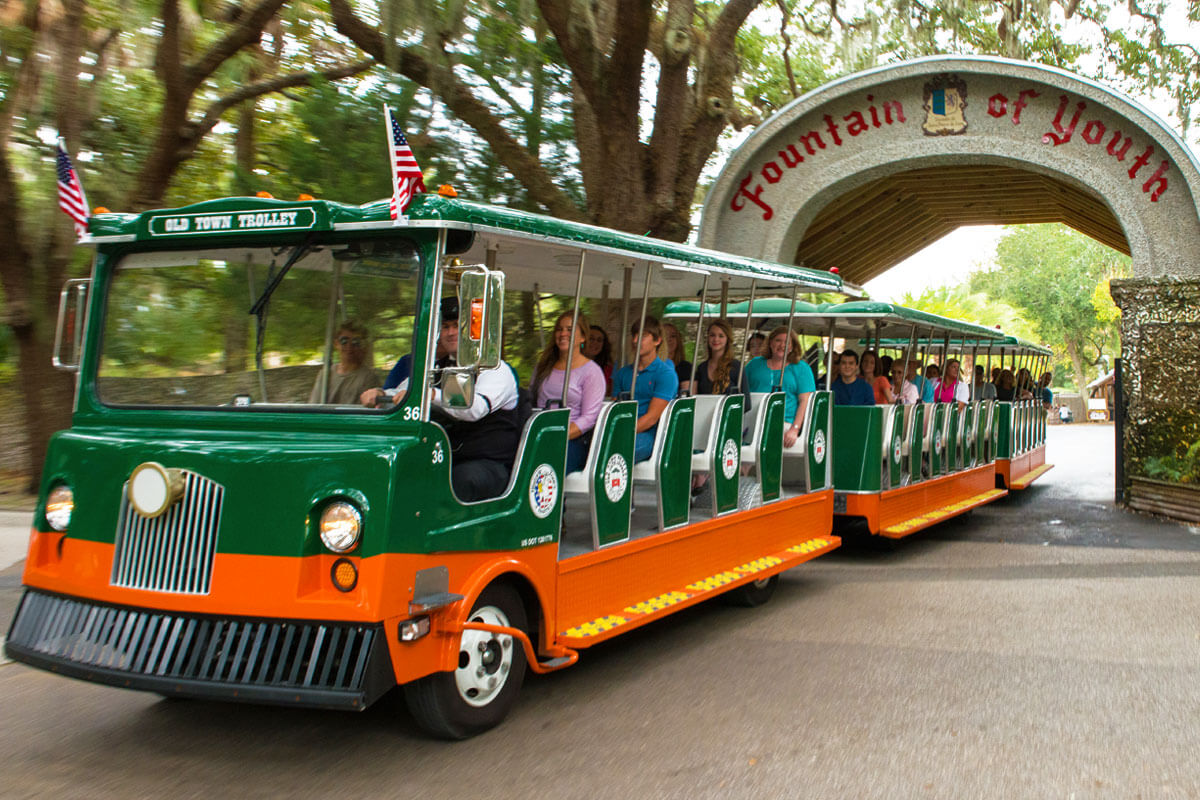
column 669, row 468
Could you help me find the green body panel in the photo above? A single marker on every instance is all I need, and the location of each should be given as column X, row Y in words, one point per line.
column 1003, row 430
column 916, row 443
column 503, row 523
column 675, row 466
column 970, row 414
column 729, row 431
column 982, row 433
column 937, row 445
column 612, row 518
column 954, row 451
column 1021, row 439
column 770, row 449
column 819, row 437
column 895, row 457
column 857, row 445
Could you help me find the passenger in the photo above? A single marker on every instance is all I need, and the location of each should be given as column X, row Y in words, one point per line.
column 932, row 374
column 656, row 384
column 904, row 390
column 951, row 388
column 1005, row 386
column 782, row 367
column 720, row 371
column 677, row 356
column 849, row 389
column 868, row 368
column 980, row 389
column 585, row 394
column 756, row 347
column 1044, row 391
column 599, row 349
column 352, row 375
column 1025, row 384
column 995, row 375
column 912, row 374
column 445, row 355
column 484, row 436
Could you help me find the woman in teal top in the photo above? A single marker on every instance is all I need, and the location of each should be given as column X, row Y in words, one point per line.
column 782, row 367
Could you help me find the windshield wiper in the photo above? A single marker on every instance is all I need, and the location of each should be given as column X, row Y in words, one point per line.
column 259, row 309
column 301, row 250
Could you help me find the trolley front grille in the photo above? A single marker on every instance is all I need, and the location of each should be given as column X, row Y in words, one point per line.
column 173, row 552
column 284, row 660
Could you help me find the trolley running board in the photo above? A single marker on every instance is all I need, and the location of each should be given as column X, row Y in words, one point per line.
column 637, row 614
column 1030, row 477
column 915, row 524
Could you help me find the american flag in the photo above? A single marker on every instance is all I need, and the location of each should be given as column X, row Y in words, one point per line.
column 406, row 174
column 70, row 191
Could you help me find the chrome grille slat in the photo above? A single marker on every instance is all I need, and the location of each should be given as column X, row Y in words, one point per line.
column 174, row 552
column 293, row 655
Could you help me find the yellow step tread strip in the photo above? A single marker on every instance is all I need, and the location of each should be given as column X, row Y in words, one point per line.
column 1031, row 476
column 652, row 605
column 925, row 520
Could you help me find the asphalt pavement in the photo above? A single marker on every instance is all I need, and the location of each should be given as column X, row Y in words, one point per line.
column 1044, row 646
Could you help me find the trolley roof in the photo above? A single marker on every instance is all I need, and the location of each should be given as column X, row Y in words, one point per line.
column 530, row 248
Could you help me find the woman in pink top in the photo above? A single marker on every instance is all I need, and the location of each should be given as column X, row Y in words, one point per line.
column 869, row 368
column 951, row 388
column 585, row 394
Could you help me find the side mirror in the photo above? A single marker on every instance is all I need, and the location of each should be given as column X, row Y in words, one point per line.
column 68, row 333
column 481, row 317
column 458, row 387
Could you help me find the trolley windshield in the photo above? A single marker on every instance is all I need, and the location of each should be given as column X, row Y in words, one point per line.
column 302, row 325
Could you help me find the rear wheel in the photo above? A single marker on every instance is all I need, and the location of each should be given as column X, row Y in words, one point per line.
column 491, row 667
column 756, row 593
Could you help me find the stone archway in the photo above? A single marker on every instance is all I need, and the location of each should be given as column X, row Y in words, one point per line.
column 868, row 169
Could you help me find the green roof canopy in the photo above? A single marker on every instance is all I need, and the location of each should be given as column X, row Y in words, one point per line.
column 530, row 248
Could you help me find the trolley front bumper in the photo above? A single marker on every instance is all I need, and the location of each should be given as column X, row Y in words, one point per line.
column 278, row 662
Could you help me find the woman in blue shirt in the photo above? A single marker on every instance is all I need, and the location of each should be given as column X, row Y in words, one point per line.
column 657, row 384
column 782, row 367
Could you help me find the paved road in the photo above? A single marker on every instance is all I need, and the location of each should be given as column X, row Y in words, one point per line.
column 1042, row 648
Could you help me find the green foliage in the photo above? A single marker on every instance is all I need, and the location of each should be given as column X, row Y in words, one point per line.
column 959, row 302
column 1050, row 274
column 1176, row 468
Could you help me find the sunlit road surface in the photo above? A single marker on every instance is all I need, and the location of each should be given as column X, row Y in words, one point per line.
column 1044, row 647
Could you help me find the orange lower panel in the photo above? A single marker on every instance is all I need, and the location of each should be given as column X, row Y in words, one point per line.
column 661, row 566
column 896, row 506
column 278, row 587
column 1012, row 470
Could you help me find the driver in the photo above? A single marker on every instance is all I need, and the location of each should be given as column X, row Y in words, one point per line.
column 484, row 436
column 352, row 374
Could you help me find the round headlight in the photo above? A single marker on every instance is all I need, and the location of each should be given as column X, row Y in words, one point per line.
column 59, row 505
column 340, row 526
column 153, row 488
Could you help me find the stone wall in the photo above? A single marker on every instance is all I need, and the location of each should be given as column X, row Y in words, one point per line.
column 1160, row 348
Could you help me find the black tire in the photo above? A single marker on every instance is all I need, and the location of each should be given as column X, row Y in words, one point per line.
column 753, row 594
column 479, row 694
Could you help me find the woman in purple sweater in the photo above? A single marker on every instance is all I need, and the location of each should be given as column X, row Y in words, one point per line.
column 585, row 394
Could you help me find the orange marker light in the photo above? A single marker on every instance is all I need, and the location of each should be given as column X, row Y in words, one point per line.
column 446, row 190
column 344, row 575
column 306, row 197
column 100, row 210
column 265, row 195
column 477, row 319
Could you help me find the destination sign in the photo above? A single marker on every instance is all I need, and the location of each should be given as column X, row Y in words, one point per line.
column 221, row 222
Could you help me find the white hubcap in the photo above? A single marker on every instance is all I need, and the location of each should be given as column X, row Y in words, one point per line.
column 484, row 659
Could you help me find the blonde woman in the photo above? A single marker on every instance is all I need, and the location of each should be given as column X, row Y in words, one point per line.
column 720, row 371
column 783, row 369
column 585, row 393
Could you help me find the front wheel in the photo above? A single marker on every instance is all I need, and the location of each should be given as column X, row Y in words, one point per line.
column 755, row 593
column 491, row 667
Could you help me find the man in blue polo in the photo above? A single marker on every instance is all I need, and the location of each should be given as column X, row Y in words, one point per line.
column 657, row 384
column 849, row 388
